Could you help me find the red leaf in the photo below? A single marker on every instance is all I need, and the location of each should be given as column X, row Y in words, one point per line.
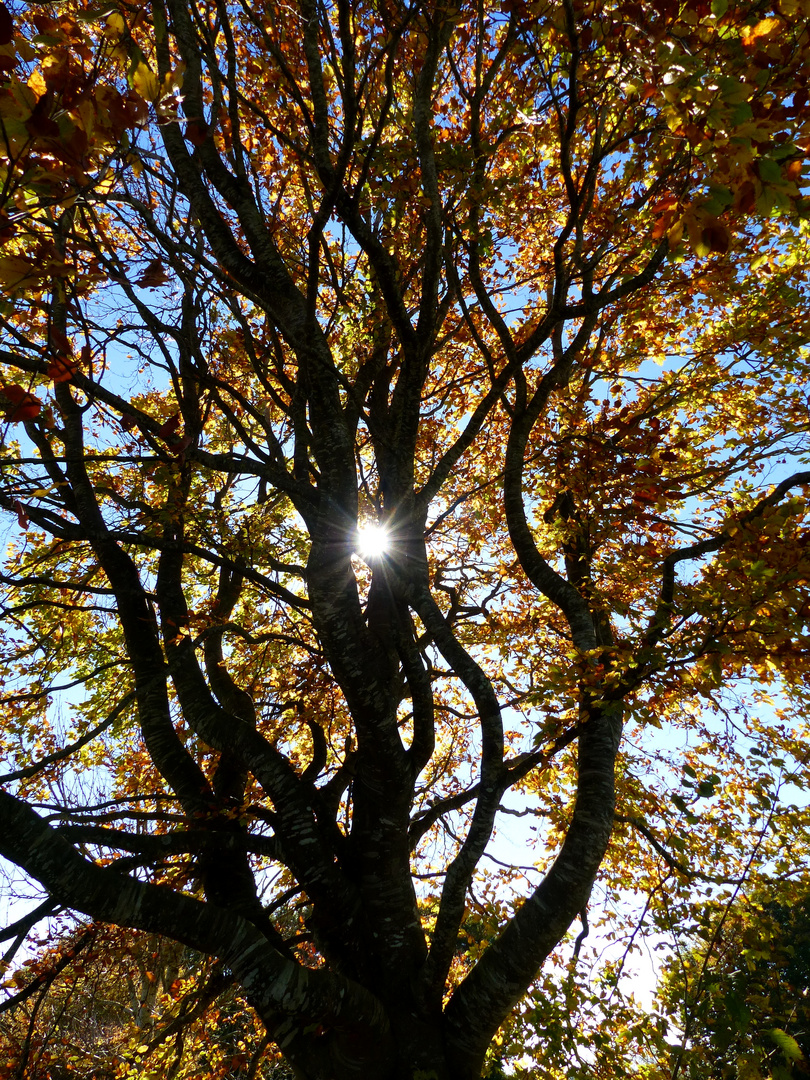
column 165, row 431
column 22, row 517
column 27, row 411
column 20, row 404
column 184, row 444
column 128, row 421
column 197, row 131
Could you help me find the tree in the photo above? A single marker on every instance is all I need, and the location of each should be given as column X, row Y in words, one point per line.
column 741, row 991
column 523, row 285
column 101, row 1003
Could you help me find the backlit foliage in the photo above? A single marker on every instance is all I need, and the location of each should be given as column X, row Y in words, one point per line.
column 524, row 284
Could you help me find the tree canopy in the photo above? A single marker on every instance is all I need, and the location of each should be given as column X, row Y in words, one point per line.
column 520, row 286
column 751, row 1012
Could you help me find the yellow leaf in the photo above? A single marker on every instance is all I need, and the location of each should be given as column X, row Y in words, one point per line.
column 115, row 26
column 85, row 117
column 25, row 50
column 37, row 83
column 174, row 80
column 14, row 269
column 765, row 28
column 106, row 183
column 146, row 82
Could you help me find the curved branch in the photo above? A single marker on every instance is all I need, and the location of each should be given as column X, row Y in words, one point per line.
column 483, row 1000
column 277, row 986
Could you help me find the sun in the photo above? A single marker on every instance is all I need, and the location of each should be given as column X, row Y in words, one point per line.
column 372, row 541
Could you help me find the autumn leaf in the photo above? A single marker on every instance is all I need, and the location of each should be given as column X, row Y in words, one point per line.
column 22, row 516
column 745, row 197
column 716, row 237
column 146, row 82
column 197, row 131
column 6, row 26
column 168, row 429
column 154, row 276
column 62, row 369
column 20, row 405
column 115, row 26
column 59, row 342
column 764, row 30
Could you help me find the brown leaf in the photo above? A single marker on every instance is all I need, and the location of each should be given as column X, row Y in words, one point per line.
column 39, row 124
column 745, row 198
column 6, row 26
column 153, row 276
column 717, row 238
column 794, row 170
column 7, row 228
column 60, row 343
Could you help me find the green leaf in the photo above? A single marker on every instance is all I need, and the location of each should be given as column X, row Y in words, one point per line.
column 738, row 1012
column 786, row 1043
column 742, row 113
column 769, row 171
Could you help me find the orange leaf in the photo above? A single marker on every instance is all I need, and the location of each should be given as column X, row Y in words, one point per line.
column 62, row 369
column 765, row 28
column 664, row 222
column 21, row 405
